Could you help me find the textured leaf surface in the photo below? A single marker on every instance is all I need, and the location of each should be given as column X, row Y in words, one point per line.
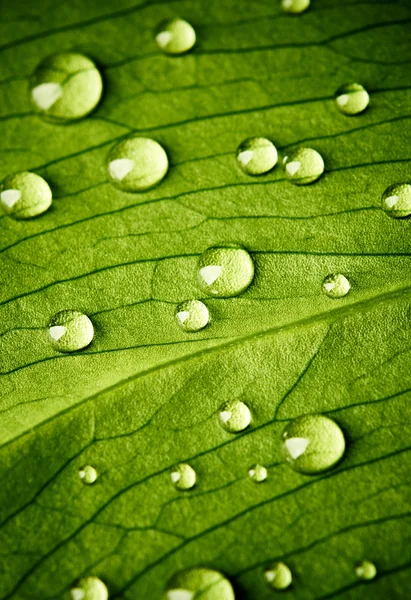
column 144, row 395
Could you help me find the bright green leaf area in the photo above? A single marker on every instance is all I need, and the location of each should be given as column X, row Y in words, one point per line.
column 145, row 395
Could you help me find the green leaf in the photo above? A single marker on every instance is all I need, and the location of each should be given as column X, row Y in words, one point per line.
column 145, row 395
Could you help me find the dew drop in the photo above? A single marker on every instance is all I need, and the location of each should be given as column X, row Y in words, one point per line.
column 198, row 582
column 88, row 474
column 257, row 156
column 25, row 195
column 66, row 87
column 70, row 330
column 366, row 570
column 234, row 416
column 183, row 476
column 336, row 285
column 137, row 164
column 352, row 99
column 278, row 576
column 295, row 7
column 192, row 315
column 257, row 473
column 89, row 588
column 396, row 201
column 175, row 36
column 303, row 166
column 225, row 271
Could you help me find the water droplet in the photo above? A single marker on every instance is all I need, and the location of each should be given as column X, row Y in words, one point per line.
column 366, row 570
column 303, row 166
column 175, row 36
column 66, row 87
column 183, row 476
column 235, row 416
column 192, row 315
column 70, row 330
column 352, row 99
column 336, row 285
column 278, row 576
column 312, row 444
column 137, row 164
column 88, row 474
column 25, row 195
column 257, row 156
column 198, row 582
column 295, row 7
column 89, row 588
column 257, row 473
column 396, row 201
column 225, row 271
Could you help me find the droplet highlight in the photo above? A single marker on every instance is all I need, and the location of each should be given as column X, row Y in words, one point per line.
column 183, row 477
column 352, row 99
column 192, row 315
column 225, row 271
column 175, row 36
column 257, row 156
column 303, row 166
column 235, row 416
column 295, row 7
column 257, row 473
column 198, row 582
column 25, row 195
column 278, row 576
column 396, row 201
column 336, row 285
column 70, row 330
column 89, row 588
column 88, row 474
column 366, row 570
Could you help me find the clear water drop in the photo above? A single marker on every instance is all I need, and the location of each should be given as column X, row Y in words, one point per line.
column 295, row 7
column 192, row 315
column 303, row 166
column 234, row 416
column 257, row 473
column 257, row 156
column 66, row 87
column 183, row 477
column 225, row 271
column 199, row 582
column 396, row 201
column 366, row 570
column 89, row 588
column 278, row 576
column 88, row 474
column 175, row 36
column 312, row 444
column 70, row 330
column 352, row 99
column 137, row 164
column 25, row 195
column 336, row 285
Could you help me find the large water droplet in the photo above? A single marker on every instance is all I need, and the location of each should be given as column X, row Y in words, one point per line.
column 25, row 195
column 366, row 570
column 175, row 36
column 396, row 200
column 70, row 330
column 137, row 164
column 235, row 416
column 183, row 476
column 303, row 166
column 66, row 87
column 88, row 474
column 194, row 583
column 257, row 156
column 313, row 443
column 192, row 315
column 89, row 588
column 278, row 576
column 352, row 99
column 257, row 473
column 336, row 285
column 295, row 7
column 225, row 271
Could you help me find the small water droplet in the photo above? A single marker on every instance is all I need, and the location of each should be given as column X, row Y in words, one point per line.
column 225, row 271
column 257, row 156
column 183, row 476
column 366, row 570
column 295, row 7
column 312, row 444
column 88, row 474
column 396, row 201
column 175, row 36
column 257, row 473
column 70, row 330
column 303, row 166
column 336, row 285
column 89, row 588
column 198, row 582
column 192, row 315
column 25, row 195
column 137, row 164
column 66, row 87
column 352, row 99
column 278, row 576
column 235, row 416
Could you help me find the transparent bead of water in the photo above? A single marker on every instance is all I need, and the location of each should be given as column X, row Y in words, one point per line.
column 352, row 99
column 366, row 570
column 278, row 576
column 175, row 36
column 25, row 195
column 257, row 156
column 257, row 473
column 303, row 166
column 396, row 201
column 336, row 285
column 88, row 474
column 70, row 330
column 183, row 477
column 199, row 582
column 295, row 7
column 235, row 416
column 89, row 588
column 192, row 315
column 225, row 271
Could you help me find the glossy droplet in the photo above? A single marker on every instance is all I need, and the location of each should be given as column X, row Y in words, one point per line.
column 194, row 583
column 336, row 285
column 137, row 164
column 235, row 416
column 303, row 166
column 89, row 588
column 257, row 473
column 366, row 570
column 312, row 444
column 88, row 474
column 70, row 330
column 175, row 36
column 192, row 315
column 225, row 271
column 396, row 201
column 183, row 476
column 257, row 156
column 66, row 87
column 352, row 99
column 295, row 7
column 278, row 576
column 25, row 195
